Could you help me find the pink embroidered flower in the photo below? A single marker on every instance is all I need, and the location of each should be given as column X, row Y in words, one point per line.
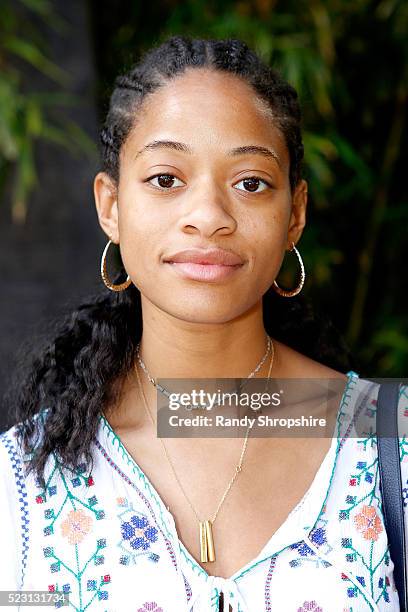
column 368, row 522
column 76, row 526
column 310, row 605
column 150, row 606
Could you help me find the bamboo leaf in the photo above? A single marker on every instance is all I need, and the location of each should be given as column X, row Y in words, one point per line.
column 31, row 54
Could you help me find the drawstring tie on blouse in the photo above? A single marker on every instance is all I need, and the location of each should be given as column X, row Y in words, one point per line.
column 208, row 598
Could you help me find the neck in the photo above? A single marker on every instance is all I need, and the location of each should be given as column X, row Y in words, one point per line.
column 175, row 348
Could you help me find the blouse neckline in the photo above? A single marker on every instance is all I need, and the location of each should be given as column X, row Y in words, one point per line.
column 300, row 520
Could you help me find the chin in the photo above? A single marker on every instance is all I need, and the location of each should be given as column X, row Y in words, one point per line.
column 202, row 310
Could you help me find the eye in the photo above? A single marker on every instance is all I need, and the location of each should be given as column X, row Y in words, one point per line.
column 252, row 182
column 165, row 181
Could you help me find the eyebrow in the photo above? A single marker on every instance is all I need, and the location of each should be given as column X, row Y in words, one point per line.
column 181, row 146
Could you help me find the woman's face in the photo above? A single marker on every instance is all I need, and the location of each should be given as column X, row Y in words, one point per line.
column 197, row 194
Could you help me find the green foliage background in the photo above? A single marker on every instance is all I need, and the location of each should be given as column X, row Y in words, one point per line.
column 348, row 62
column 28, row 115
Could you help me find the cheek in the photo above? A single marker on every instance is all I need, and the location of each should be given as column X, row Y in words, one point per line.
column 142, row 236
column 267, row 237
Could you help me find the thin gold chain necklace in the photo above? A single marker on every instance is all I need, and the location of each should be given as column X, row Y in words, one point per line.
column 206, row 538
column 164, row 391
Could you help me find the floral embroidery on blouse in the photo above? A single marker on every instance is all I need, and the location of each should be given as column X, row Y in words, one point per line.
column 150, row 607
column 310, row 606
column 364, row 501
column 78, row 534
column 138, row 534
column 75, row 527
column 368, row 523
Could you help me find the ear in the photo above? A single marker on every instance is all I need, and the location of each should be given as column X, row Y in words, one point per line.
column 298, row 214
column 106, row 202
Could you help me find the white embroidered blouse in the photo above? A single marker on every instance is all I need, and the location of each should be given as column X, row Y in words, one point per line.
column 108, row 541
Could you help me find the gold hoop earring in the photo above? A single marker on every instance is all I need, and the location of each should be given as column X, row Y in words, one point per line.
column 104, row 273
column 297, row 289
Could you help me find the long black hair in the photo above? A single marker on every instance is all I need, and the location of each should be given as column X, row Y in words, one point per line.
column 78, row 372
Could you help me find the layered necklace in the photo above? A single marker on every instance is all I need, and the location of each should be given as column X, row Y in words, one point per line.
column 206, row 536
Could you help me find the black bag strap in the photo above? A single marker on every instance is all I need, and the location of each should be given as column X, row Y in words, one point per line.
column 390, row 484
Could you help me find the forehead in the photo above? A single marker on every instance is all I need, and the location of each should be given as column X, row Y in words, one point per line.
column 204, row 107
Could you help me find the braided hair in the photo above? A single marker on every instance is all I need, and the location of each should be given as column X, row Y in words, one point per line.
column 78, row 372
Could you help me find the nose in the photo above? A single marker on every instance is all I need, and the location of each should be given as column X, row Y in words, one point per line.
column 207, row 211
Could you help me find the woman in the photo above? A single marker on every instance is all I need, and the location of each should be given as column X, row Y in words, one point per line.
column 201, row 187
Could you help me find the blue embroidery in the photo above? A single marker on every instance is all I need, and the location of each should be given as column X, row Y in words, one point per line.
column 140, row 534
column 302, row 548
column 147, row 533
column 318, row 536
column 17, row 467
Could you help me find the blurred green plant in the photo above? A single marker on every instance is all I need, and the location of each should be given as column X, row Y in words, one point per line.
column 26, row 115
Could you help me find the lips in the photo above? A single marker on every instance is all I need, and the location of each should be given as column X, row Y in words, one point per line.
column 212, row 265
column 214, row 256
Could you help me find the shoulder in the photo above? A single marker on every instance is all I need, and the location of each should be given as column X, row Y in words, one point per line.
column 12, row 454
column 298, row 365
column 403, row 437
column 12, row 475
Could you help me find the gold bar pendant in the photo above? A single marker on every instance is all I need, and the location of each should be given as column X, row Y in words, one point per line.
column 210, row 541
column 203, row 543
